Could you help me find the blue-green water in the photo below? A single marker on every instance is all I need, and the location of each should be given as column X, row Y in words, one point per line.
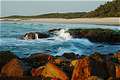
column 10, row 34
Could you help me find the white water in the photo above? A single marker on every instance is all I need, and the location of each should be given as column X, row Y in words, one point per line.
column 63, row 35
column 36, row 36
column 26, row 37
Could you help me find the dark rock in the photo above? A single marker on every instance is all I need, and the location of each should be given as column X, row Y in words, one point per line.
column 35, row 35
column 97, row 35
column 5, row 57
column 71, row 55
column 54, row 30
column 39, row 59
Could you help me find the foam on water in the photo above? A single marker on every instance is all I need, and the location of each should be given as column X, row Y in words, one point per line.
column 62, row 34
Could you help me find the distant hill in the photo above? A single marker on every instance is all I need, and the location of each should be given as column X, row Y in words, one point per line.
column 109, row 9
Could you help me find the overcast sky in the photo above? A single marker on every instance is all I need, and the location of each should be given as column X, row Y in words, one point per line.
column 29, row 7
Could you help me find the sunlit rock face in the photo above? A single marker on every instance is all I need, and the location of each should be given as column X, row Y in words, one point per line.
column 52, row 70
column 13, row 69
column 35, row 35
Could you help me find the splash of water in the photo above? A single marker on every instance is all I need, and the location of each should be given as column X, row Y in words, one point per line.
column 36, row 36
column 26, row 37
column 63, row 34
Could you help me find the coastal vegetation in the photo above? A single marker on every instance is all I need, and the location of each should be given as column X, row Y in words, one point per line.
column 109, row 9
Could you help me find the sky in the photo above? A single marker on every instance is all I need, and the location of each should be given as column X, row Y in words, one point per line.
column 37, row 7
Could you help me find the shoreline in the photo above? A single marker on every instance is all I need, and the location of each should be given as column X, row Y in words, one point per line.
column 99, row 21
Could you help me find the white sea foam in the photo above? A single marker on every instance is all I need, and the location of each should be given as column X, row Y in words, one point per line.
column 63, row 35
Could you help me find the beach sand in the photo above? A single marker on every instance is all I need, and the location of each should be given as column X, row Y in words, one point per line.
column 106, row 21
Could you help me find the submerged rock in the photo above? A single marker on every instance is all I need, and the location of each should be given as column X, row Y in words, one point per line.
column 13, row 69
column 35, row 35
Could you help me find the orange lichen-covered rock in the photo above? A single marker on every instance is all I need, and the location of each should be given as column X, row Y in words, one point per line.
column 54, row 72
column 117, row 55
column 73, row 62
column 58, row 61
column 37, row 71
column 12, row 68
column 117, row 67
column 94, row 78
column 82, row 69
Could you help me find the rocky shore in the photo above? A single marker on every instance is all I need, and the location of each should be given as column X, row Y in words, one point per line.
column 69, row 66
column 94, row 35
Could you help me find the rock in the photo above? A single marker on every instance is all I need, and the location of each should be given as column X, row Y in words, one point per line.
column 54, row 72
column 94, row 78
column 35, row 35
column 97, row 35
column 117, row 55
column 74, row 62
column 117, row 67
column 5, row 57
column 37, row 71
column 54, row 30
column 87, row 67
column 13, row 69
column 58, row 61
column 39, row 59
column 71, row 56
column 82, row 69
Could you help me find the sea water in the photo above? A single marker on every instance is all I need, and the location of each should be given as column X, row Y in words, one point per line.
column 11, row 32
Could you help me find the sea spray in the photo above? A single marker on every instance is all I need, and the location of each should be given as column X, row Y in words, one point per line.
column 63, row 34
column 36, row 36
column 26, row 37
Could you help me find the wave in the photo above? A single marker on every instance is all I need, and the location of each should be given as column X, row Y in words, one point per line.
column 62, row 34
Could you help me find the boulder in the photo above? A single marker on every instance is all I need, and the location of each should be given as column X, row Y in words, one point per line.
column 39, row 59
column 94, row 78
column 82, row 69
column 35, row 35
column 58, row 61
column 54, row 72
column 13, row 69
column 87, row 67
column 71, row 55
column 97, row 35
column 74, row 62
column 5, row 57
column 37, row 71
column 117, row 68
column 117, row 55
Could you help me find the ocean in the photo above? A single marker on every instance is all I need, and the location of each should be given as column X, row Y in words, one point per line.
column 11, row 32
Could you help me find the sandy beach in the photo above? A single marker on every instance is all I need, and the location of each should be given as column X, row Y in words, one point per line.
column 106, row 21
